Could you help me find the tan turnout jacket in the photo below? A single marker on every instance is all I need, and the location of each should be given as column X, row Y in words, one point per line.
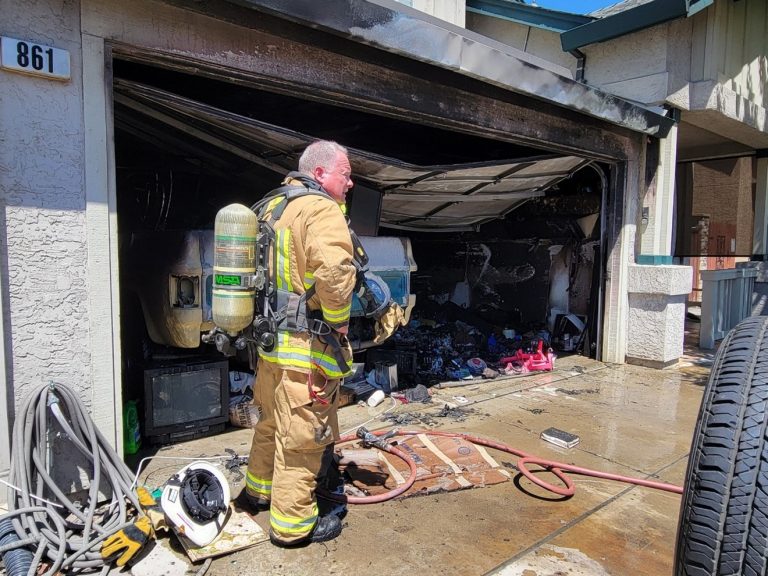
column 313, row 248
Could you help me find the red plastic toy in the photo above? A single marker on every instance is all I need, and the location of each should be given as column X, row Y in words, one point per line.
column 522, row 362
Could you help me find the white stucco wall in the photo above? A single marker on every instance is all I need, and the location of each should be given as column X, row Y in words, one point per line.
column 541, row 43
column 452, row 11
column 632, row 66
column 724, row 45
column 713, row 65
column 42, row 185
column 659, row 201
column 728, row 93
column 58, row 265
column 730, row 45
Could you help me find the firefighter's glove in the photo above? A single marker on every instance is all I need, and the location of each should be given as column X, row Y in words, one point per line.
column 125, row 544
column 387, row 324
column 151, row 509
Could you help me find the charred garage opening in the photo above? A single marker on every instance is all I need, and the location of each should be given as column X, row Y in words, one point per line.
column 504, row 237
column 492, row 191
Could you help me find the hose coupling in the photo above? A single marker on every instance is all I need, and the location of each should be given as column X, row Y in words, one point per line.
column 370, row 439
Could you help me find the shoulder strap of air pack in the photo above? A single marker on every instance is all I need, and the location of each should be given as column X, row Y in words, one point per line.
column 288, row 192
column 308, row 187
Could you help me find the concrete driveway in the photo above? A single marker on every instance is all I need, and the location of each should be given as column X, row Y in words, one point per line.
column 631, row 421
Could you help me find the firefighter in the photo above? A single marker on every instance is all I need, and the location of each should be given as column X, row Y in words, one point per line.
column 297, row 383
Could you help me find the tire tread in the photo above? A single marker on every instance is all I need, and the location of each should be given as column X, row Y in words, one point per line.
column 723, row 526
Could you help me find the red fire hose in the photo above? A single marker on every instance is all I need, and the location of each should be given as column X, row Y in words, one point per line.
column 559, row 469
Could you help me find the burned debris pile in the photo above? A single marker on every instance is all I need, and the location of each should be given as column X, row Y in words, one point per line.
column 451, row 345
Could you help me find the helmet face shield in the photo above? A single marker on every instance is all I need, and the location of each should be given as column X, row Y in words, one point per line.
column 374, row 295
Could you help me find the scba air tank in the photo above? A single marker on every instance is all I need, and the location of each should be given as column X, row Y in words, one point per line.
column 234, row 266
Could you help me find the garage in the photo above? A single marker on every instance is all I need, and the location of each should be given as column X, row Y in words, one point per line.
column 504, row 234
column 516, row 188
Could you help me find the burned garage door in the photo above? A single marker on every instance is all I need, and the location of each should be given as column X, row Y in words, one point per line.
column 505, row 237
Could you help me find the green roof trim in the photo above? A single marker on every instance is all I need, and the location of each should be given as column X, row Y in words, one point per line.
column 535, row 16
column 632, row 20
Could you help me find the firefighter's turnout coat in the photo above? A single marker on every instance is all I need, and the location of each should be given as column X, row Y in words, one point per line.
column 314, row 247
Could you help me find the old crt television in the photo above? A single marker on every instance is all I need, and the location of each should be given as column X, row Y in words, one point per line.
column 185, row 400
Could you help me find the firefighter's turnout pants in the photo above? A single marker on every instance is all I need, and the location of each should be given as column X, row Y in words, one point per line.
column 288, row 445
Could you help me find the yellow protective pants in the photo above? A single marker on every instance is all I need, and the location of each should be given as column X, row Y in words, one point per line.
column 288, row 445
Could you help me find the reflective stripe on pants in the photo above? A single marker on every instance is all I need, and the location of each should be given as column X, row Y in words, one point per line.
column 287, row 448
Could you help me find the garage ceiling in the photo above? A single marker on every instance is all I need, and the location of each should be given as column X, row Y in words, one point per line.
column 439, row 198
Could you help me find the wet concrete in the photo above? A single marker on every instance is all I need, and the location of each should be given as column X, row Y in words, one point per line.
column 632, row 421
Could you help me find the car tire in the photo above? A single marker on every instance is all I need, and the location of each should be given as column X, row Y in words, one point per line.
column 723, row 525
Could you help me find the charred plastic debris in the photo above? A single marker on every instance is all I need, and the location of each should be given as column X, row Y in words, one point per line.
column 485, row 309
column 489, row 306
column 427, row 353
column 445, row 346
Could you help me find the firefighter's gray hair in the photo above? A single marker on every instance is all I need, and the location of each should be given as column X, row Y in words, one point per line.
column 320, row 153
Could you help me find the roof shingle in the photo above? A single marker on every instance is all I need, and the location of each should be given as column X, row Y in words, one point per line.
column 622, row 6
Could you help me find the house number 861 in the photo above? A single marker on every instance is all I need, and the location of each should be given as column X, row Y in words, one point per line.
column 19, row 55
column 34, row 55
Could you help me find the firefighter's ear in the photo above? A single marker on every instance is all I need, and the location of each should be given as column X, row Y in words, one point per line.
column 320, row 174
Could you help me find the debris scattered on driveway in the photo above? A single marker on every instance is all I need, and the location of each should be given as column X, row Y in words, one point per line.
column 560, row 437
column 536, row 411
column 233, row 464
column 418, row 394
column 408, row 419
column 577, row 392
column 456, row 414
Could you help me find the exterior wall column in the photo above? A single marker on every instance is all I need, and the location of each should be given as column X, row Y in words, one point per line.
column 620, row 231
column 657, row 306
column 657, row 291
column 5, row 421
column 760, row 234
column 657, row 218
column 46, row 319
column 101, row 223
column 760, row 237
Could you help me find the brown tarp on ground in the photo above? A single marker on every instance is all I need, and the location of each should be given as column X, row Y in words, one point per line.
column 443, row 464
